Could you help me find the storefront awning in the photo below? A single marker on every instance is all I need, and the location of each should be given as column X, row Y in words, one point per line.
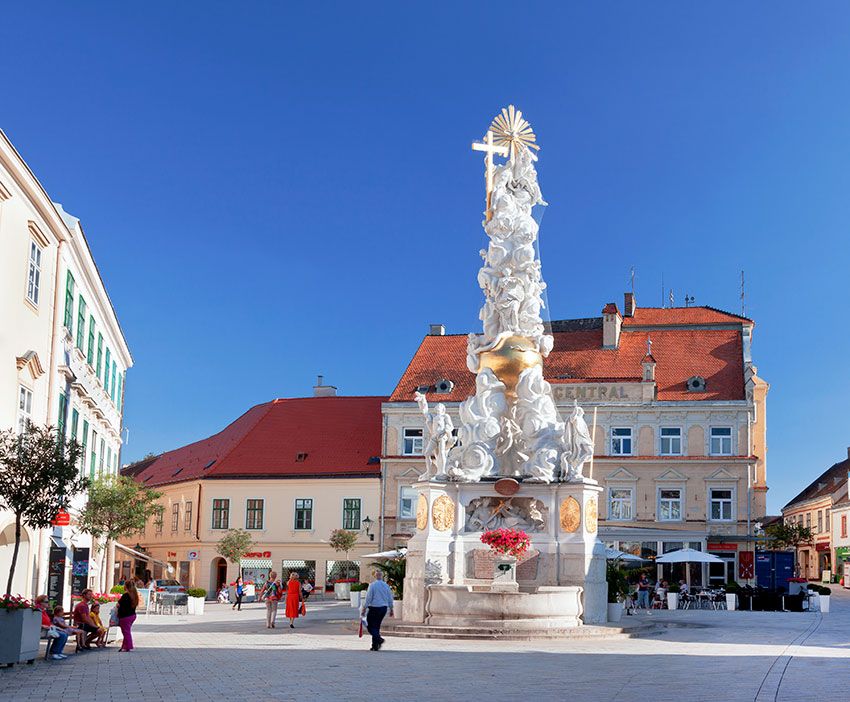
column 255, row 563
column 144, row 556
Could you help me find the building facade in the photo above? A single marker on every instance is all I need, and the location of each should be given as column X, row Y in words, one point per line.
column 813, row 509
column 679, row 417
column 289, row 472
column 63, row 353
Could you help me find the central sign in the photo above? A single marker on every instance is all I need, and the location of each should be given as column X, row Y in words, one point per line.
column 598, row 392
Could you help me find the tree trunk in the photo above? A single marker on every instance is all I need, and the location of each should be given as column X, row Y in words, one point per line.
column 14, row 553
column 110, row 565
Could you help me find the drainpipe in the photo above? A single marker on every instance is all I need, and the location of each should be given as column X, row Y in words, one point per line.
column 383, row 495
column 750, row 544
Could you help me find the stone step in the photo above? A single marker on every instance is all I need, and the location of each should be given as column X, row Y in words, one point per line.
column 508, row 634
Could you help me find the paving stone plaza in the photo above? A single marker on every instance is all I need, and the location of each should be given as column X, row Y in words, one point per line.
column 684, row 655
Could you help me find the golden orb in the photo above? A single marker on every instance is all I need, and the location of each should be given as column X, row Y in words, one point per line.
column 510, row 357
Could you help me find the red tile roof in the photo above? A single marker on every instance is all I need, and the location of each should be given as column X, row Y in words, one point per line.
column 645, row 316
column 680, row 353
column 339, row 435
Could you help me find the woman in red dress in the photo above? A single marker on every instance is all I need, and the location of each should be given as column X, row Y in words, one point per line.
column 293, row 599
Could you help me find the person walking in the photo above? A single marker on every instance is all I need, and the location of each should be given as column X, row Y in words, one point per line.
column 271, row 591
column 240, row 590
column 379, row 601
column 127, row 614
column 293, row 599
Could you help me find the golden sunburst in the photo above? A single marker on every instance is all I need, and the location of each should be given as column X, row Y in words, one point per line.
column 510, row 129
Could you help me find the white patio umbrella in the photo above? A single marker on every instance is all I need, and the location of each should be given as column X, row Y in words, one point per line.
column 688, row 555
column 395, row 553
column 612, row 554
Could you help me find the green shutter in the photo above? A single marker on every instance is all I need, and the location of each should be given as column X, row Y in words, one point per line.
column 75, row 421
column 120, row 391
column 81, row 323
column 60, row 423
column 107, row 370
column 85, row 444
column 90, row 352
column 69, row 303
column 99, row 355
column 112, row 382
column 93, row 455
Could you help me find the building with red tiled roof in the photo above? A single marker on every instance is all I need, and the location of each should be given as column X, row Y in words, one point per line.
column 679, row 425
column 288, row 471
column 813, row 509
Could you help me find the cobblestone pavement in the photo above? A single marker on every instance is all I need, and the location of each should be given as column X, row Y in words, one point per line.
column 226, row 655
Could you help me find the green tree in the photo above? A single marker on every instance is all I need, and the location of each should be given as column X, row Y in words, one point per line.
column 781, row 535
column 342, row 541
column 39, row 475
column 234, row 544
column 394, row 570
column 117, row 505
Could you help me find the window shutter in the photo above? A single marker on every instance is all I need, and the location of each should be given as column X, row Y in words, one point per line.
column 90, row 352
column 107, row 370
column 60, row 423
column 99, row 355
column 85, row 443
column 69, row 303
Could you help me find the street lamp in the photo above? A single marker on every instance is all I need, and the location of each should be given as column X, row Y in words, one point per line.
column 367, row 525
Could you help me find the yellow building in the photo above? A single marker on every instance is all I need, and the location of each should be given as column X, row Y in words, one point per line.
column 289, row 471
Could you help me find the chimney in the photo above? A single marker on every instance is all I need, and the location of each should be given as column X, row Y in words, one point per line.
column 611, row 323
column 629, row 305
column 437, row 330
column 322, row 390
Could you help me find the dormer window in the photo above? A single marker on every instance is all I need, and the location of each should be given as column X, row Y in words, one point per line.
column 696, row 383
column 444, row 386
column 301, row 457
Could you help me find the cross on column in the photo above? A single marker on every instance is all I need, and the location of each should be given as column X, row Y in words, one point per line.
column 489, row 148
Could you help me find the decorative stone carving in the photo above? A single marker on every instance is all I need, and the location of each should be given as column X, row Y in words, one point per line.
column 526, row 513
column 437, row 438
column 591, row 515
column 421, row 512
column 570, row 515
column 578, row 446
column 443, row 513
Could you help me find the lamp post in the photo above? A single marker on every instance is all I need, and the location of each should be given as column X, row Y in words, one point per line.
column 367, row 526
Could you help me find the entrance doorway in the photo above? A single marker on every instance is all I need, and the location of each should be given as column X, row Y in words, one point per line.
column 218, row 573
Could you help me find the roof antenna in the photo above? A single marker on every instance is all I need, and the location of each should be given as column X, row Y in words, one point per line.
column 672, row 299
column 632, row 276
column 743, row 300
column 689, row 300
column 662, row 291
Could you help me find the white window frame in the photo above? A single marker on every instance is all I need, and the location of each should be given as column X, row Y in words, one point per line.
column 672, row 439
column 24, row 412
column 415, row 441
column 312, row 526
column 615, row 439
column 359, row 510
column 34, row 272
column 622, row 501
column 660, row 500
column 732, row 499
column 411, row 513
column 262, row 518
column 721, row 439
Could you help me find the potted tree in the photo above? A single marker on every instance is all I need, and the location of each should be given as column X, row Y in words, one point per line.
column 342, row 541
column 673, row 596
column 196, row 600
column 618, row 589
column 732, row 589
column 823, row 597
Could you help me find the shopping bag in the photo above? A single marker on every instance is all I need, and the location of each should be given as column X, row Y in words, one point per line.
column 113, row 617
column 303, row 609
column 361, row 629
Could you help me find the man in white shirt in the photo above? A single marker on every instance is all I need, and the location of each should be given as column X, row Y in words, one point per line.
column 378, row 601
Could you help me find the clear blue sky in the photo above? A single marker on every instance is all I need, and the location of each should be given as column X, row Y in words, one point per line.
column 273, row 192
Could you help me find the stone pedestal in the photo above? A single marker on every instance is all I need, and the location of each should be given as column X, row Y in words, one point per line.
column 504, row 575
column 566, row 560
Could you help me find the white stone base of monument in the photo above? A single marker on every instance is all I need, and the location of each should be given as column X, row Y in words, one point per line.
column 561, row 579
column 504, row 574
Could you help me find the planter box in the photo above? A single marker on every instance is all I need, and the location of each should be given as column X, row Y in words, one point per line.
column 195, row 605
column 20, row 630
column 731, row 601
column 672, row 600
column 504, row 574
column 342, row 591
column 356, row 598
column 615, row 611
column 824, row 603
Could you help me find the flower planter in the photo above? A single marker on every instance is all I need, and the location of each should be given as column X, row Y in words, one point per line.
column 342, row 591
column 355, row 599
column 504, row 574
column 20, row 630
column 615, row 611
column 672, row 600
column 195, row 605
column 824, row 603
column 731, row 601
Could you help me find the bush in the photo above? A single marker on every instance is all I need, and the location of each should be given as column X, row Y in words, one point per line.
column 359, row 587
column 618, row 585
column 117, row 590
column 196, row 592
column 732, row 586
column 824, row 590
column 675, row 587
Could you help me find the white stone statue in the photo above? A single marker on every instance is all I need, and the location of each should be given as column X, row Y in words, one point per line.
column 578, row 445
column 437, row 438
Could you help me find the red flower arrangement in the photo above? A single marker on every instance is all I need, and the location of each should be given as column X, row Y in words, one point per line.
column 14, row 602
column 509, row 542
column 99, row 597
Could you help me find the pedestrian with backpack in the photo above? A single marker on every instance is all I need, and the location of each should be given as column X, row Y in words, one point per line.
column 271, row 592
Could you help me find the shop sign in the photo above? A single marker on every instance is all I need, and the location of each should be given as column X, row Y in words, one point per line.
column 79, row 571
column 746, row 569
column 193, row 556
column 822, row 546
column 722, row 547
column 62, row 518
column 56, row 573
column 258, row 554
column 172, row 554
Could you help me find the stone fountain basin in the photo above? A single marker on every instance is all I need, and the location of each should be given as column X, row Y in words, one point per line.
column 470, row 605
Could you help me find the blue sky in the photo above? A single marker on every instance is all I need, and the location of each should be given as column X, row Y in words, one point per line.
column 275, row 192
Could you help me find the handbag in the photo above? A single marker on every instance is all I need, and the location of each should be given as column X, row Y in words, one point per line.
column 303, row 609
column 52, row 632
column 113, row 617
